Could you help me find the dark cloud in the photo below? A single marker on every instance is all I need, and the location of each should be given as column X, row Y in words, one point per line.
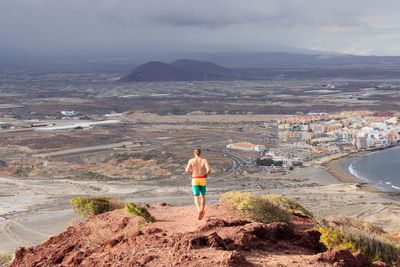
column 357, row 26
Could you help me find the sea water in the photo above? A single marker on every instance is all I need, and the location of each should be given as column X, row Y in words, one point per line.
column 379, row 167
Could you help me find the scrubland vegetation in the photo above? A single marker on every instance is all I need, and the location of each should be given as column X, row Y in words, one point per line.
column 357, row 235
column 341, row 233
column 5, row 258
column 89, row 206
column 132, row 208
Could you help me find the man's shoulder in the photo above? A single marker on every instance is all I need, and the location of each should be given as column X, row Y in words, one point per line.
column 204, row 160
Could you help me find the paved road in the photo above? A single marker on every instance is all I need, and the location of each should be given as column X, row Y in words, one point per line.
column 82, row 150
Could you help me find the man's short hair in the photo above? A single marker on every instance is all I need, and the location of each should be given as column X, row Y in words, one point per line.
column 197, row 151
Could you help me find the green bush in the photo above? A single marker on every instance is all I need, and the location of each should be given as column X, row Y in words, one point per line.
column 255, row 208
column 132, row 208
column 371, row 245
column 288, row 205
column 88, row 206
column 22, row 171
column 335, row 239
column 90, row 175
column 5, row 258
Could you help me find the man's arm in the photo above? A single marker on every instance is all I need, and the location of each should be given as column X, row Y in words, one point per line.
column 188, row 167
column 208, row 167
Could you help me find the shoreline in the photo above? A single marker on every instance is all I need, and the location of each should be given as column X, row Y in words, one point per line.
column 343, row 174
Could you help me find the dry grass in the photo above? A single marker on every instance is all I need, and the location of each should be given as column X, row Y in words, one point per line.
column 289, row 205
column 132, row 208
column 357, row 224
column 254, row 208
column 88, row 206
column 394, row 237
column 358, row 235
column 5, row 258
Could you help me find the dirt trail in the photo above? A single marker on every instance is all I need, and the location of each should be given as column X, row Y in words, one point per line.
column 183, row 219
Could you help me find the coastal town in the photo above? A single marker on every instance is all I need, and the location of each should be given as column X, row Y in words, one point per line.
column 303, row 138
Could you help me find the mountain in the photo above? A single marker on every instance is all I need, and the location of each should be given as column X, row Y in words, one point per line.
column 156, row 71
column 200, row 66
column 179, row 70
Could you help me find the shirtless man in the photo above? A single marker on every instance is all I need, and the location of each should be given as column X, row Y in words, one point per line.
column 199, row 168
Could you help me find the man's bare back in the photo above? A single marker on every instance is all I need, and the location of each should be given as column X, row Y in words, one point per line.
column 199, row 167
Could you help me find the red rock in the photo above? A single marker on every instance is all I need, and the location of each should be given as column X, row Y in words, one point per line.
column 310, row 239
column 215, row 241
column 281, row 230
column 344, row 258
column 153, row 230
column 123, row 224
column 245, row 240
column 211, row 224
column 237, row 259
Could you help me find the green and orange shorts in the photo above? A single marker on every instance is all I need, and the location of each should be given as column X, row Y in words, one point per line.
column 199, row 185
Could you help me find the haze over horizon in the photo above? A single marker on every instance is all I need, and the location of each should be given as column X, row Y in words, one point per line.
column 47, row 27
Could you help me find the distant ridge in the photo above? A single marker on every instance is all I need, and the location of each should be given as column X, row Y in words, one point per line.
column 201, row 66
column 180, row 70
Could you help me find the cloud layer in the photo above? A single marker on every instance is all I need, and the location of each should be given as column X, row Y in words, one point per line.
column 81, row 26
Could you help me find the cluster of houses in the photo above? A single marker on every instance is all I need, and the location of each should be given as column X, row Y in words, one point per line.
column 303, row 137
column 343, row 131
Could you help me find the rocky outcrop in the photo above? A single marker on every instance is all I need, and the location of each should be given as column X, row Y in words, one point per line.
column 114, row 239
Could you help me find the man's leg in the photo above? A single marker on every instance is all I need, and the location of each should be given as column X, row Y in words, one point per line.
column 203, row 201
column 196, row 193
column 196, row 202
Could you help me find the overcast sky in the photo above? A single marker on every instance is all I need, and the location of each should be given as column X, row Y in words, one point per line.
column 362, row 27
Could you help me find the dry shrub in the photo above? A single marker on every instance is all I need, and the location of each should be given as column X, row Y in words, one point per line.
column 22, row 171
column 358, row 235
column 5, row 258
column 394, row 237
column 254, row 208
column 289, row 205
column 357, row 225
column 132, row 208
column 116, row 203
column 88, row 206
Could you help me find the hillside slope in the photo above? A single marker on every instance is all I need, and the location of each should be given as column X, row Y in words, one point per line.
column 177, row 238
column 155, row 71
column 180, row 70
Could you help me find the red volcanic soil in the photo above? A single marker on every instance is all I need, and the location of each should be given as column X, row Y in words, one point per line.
column 177, row 238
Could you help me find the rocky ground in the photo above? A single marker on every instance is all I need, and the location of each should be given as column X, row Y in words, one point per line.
column 177, row 238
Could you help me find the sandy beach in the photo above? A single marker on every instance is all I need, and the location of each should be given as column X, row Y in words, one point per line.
column 338, row 168
column 32, row 210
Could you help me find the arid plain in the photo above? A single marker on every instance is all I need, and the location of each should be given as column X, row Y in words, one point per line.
column 141, row 155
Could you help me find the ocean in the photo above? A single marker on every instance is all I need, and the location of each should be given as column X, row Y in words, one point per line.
column 380, row 167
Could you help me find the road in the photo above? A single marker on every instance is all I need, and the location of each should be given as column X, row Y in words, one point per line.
column 82, row 150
